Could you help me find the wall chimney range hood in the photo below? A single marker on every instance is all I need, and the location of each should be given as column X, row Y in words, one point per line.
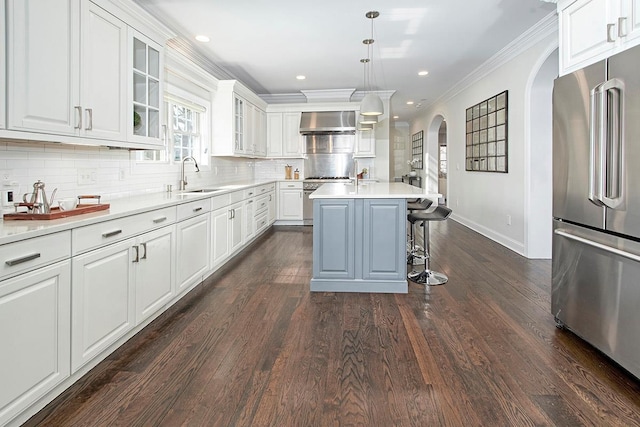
column 323, row 122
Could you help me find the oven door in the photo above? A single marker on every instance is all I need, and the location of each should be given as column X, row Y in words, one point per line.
column 307, row 208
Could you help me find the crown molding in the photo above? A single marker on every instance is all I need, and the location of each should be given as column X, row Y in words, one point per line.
column 542, row 29
column 328, row 95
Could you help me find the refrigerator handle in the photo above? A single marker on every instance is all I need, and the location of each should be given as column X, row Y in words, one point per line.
column 596, row 112
column 612, row 155
column 606, row 248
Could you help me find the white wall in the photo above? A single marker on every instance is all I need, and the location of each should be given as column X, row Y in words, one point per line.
column 484, row 201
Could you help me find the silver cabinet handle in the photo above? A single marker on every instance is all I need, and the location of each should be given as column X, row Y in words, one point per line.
column 263, row 204
column 249, row 201
column 144, row 246
column 251, row 194
column 197, row 209
column 159, row 220
column 606, row 248
column 20, row 260
column 622, row 26
column 78, row 109
column 137, row 258
column 111, row 233
column 610, row 27
column 89, row 119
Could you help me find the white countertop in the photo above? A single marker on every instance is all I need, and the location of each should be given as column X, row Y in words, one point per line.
column 371, row 190
column 14, row 230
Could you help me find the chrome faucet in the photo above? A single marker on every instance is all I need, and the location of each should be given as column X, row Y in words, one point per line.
column 183, row 178
column 355, row 169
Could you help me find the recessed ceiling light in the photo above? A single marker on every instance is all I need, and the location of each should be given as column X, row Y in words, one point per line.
column 301, row 77
column 423, row 73
column 409, row 102
column 202, row 38
column 396, row 117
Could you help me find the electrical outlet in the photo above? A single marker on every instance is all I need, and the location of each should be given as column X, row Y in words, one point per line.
column 122, row 174
column 508, row 219
column 87, row 176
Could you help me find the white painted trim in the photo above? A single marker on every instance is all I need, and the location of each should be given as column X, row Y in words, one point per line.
column 514, row 245
column 537, row 33
column 553, row 45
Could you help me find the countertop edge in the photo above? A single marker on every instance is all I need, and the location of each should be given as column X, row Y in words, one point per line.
column 14, row 230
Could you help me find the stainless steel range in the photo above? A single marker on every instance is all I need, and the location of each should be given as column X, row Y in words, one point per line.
column 329, row 141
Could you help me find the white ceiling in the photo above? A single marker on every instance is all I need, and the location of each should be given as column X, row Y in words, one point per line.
column 266, row 44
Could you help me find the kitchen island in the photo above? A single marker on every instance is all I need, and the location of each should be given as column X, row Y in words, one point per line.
column 360, row 236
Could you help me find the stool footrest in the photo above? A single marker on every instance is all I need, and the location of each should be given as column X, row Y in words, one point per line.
column 428, row 277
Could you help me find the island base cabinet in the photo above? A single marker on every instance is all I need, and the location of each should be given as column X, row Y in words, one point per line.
column 359, row 245
column 102, row 299
column 35, row 335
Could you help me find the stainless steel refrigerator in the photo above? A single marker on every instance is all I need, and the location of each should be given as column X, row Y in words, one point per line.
column 596, row 206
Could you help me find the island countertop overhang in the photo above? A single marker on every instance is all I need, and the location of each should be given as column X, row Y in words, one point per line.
column 371, row 190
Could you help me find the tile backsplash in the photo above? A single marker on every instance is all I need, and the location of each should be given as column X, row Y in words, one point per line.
column 115, row 173
column 111, row 173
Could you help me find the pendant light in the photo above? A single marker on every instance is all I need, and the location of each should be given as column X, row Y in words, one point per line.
column 371, row 104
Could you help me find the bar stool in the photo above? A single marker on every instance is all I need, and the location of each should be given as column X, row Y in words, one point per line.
column 415, row 205
column 428, row 276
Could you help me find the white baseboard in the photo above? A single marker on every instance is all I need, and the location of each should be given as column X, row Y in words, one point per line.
column 514, row 245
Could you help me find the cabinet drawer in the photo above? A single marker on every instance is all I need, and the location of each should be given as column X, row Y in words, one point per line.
column 20, row 257
column 262, row 204
column 236, row 196
column 262, row 221
column 290, row 185
column 219, row 202
column 197, row 207
column 264, row 189
column 250, row 192
column 104, row 233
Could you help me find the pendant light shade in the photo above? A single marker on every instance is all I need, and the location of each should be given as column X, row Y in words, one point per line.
column 371, row 105
column 368, row 120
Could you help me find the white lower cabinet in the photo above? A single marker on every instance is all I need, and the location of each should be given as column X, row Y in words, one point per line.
column 272, row 210
column 249, row 223
column 35, row 335
column 154, row 270
column 117, row 287
column 290, row 201
column 192, row 251
column 227, row 232
column 236, row 229
column 102, row 299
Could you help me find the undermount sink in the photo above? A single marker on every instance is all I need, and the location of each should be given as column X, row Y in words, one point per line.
column 202, row 191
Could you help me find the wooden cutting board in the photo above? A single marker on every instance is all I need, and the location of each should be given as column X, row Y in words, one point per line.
column 57, row 213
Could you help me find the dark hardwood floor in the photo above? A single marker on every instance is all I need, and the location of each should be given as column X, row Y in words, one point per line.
column 253, row 347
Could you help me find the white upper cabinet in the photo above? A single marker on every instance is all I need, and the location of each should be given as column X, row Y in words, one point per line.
column 103, row 67
column 145, row 110
column 366, row 143
column 283, row 135
column 72, row 72
column 238, row 127
column 591, row 30
column 43, row 65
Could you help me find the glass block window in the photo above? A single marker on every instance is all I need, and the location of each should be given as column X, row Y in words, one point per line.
column 487, row 134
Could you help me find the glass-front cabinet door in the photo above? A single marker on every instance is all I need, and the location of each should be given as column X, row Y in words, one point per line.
column 239, row 118
column 146, row 90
